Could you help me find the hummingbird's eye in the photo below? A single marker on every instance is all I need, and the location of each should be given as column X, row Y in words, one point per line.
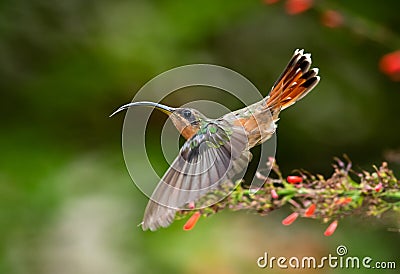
column 187, row 113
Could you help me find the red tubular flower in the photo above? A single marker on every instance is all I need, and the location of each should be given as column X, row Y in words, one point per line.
column 274, row 195
column 390, row 65
column 332, row 19
column 290, row 219
column 378, row 187
column 331, row 228
column 297, row 6
column 192, row 221
column 347, row 200
column 343, row 201
column 294, row 179
column 310, row 210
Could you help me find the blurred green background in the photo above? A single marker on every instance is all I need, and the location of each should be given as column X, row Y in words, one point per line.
column 67, row 203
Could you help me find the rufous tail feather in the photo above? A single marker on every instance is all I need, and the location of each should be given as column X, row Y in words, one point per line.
column 296, row 81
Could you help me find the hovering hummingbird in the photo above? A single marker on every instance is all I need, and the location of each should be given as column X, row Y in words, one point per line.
column 218, row 149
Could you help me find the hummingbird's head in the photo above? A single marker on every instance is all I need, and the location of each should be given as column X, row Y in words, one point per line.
column 186, row 120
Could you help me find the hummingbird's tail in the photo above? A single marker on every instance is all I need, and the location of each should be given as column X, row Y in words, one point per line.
column 296, row 81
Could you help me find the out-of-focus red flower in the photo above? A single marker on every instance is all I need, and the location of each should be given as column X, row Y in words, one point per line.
column 274, row 195
column 343, row 200
column 290, row 219
column 310, row 210
column 390, row 65
column 332, row 19
column 331, row 228
column 192, row 221
column 294, row 179
column 378, row 187
column 297, row 6
column 270, row 2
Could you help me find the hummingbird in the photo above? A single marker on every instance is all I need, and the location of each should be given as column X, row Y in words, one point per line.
column 216, row 150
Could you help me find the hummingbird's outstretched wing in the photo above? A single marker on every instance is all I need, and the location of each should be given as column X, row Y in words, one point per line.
column 208, row 160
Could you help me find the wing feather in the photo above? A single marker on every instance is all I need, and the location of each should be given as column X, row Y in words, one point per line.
column 205, row 162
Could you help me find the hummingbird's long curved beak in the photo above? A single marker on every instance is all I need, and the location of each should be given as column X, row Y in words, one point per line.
column 166, row 109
